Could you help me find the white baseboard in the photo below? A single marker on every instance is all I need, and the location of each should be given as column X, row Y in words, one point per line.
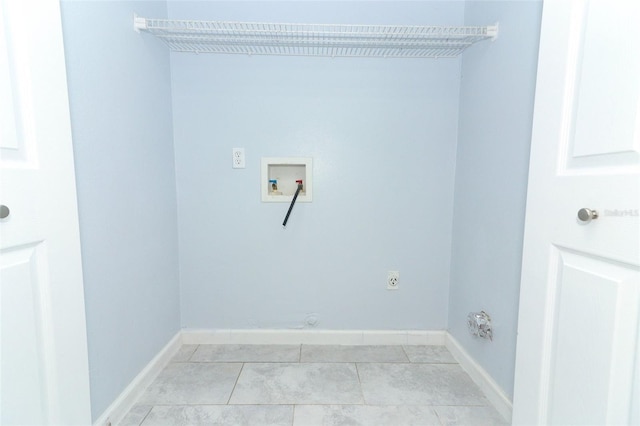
column 314, row 337
column 127, row 399
column 493, row 392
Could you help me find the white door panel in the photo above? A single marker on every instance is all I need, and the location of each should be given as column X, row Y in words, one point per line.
column 8, row 130
column 608, row 87
column 24, row 306
column 603, row 91
column 17, row 113
column 577, row 352
column 44, row 363
column 593, row 335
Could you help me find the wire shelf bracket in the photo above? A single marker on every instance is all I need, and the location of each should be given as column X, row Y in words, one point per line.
column 329, row 40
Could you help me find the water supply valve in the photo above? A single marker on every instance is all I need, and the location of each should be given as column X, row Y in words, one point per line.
column 479, row 324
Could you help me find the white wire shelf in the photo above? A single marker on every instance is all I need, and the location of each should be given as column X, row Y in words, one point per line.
column 261, row 38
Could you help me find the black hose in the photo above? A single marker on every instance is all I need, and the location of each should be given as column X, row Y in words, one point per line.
column 286, row 218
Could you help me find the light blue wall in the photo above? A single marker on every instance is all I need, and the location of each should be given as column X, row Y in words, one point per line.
column 382, row 134
column 120, row 97
column 496, row 107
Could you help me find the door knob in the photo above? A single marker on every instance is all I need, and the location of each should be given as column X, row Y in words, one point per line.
column 4, row 211
column 587, row 215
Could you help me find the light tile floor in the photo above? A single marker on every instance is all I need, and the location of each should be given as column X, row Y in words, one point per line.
column 305, row 385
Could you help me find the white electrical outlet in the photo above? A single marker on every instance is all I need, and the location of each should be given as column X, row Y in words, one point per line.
column 393, row 280
column 238, row 158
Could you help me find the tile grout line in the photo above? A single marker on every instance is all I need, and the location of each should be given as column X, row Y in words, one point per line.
column 193, row 353
column 235, row 384
column 293, row 415
column 364, row 401
column 146, row 415
column 406, row 354
column 438, row 416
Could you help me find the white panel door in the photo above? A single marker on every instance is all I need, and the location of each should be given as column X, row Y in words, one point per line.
column 43, row 353
column 577, row 360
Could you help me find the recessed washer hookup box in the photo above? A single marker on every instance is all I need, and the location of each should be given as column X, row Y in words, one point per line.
column 280, row 177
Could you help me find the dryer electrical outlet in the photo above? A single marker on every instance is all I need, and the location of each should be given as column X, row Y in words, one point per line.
column 393, row 280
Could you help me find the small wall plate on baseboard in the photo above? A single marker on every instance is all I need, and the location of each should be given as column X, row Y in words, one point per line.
column 393, row 280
